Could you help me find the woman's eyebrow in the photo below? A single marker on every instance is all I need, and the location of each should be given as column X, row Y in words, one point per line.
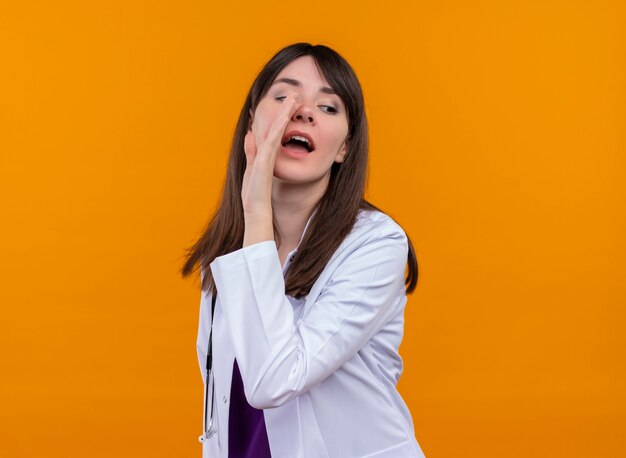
column 324, row 89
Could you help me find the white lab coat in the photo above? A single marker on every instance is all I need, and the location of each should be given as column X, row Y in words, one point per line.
column 324, row 368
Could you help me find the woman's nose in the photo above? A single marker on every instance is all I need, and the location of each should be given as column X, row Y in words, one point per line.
column 303, row 113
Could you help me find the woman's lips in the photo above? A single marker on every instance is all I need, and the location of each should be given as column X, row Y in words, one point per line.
column 301, row 134
column 296, row 147
column 295, row 151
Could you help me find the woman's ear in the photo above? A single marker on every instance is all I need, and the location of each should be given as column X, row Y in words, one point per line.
column 341, row 154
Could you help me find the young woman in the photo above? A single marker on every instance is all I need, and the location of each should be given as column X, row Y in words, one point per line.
column 303, row 280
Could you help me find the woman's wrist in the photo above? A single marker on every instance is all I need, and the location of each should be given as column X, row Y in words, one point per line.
column 258, row 227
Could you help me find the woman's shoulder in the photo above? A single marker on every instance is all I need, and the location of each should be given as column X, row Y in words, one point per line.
column 376, row 243
column 374, row 227
column 377, row 221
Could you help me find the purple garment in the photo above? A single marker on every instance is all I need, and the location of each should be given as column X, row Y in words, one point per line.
column 247, row 436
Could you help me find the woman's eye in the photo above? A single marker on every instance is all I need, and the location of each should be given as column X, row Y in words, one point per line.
column 327, row 108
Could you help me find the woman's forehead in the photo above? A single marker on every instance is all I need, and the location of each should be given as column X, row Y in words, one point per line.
column 303, row 70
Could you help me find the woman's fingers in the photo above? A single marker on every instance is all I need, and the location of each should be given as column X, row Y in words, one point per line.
column 275, row 134
column 256, row 189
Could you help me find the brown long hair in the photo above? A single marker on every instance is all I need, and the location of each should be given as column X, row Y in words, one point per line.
column 337, row 209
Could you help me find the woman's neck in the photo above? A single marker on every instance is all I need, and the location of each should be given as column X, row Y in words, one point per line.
column 292, row 205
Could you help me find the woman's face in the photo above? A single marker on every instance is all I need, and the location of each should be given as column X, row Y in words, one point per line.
column 321, row 118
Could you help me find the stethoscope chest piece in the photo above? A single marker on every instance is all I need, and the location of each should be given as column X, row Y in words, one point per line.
column 206, row 435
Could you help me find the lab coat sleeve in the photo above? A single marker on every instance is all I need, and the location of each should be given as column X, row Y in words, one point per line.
column 280, row 359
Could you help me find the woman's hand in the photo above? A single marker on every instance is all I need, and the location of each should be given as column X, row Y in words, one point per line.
column 256, row 190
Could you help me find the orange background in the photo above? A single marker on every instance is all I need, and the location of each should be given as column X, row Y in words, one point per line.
column 497, row 141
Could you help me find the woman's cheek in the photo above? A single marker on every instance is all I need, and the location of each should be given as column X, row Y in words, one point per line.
column 266, row 124
column 259, row 130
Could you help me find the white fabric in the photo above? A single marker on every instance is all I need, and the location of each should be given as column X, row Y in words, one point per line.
column 324, row 368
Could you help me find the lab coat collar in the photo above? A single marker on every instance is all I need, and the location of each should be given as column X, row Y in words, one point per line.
column 293, row 252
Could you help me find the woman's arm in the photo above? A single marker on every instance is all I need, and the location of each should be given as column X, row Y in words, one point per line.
column 280, row 359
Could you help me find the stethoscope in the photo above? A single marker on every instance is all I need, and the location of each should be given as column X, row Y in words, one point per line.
column 208, row 430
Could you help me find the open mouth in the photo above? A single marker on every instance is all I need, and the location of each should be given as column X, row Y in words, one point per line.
column 298, row 142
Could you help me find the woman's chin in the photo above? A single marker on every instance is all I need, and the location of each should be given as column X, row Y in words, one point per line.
column 290, row 178
column 299, row 172
column 294, row 175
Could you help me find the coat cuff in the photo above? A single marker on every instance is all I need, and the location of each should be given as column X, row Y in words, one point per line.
column 252, row 252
